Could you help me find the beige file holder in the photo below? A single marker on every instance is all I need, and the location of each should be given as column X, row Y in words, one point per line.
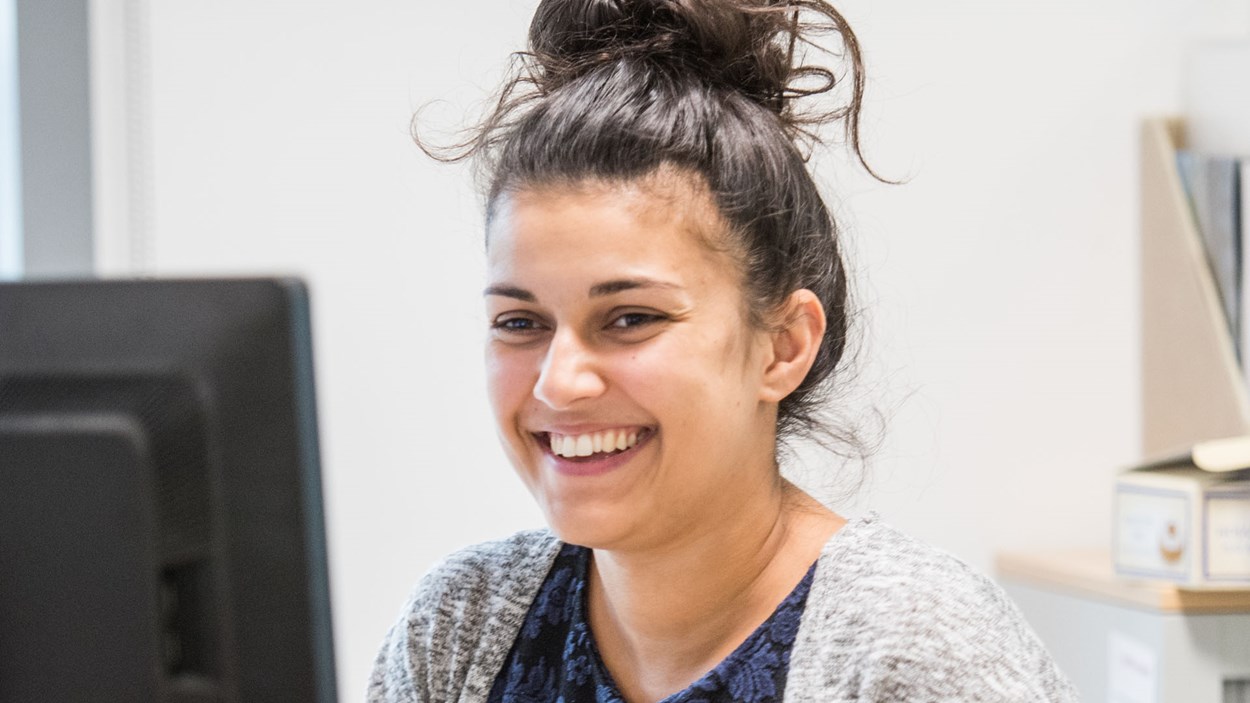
column 1192, row 386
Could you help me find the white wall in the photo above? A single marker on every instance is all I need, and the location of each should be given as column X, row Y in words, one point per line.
column 999, row 282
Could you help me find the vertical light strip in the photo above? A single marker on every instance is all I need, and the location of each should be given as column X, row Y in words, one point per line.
column 138, row 136
column 10, row 148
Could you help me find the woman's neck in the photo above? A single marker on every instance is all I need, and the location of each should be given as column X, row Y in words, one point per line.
column 664, row 616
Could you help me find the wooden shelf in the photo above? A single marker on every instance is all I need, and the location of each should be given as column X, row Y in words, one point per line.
column 1089, row 573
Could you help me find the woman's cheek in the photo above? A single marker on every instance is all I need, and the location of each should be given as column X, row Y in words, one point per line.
column 505, row 382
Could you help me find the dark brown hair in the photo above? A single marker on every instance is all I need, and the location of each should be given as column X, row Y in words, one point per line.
column 613, row 90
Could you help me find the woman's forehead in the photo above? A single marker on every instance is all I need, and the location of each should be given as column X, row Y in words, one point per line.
column 665, row 202
column 625, row 223
column 543, row 236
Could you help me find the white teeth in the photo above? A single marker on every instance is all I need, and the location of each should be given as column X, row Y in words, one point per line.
column 584, row 445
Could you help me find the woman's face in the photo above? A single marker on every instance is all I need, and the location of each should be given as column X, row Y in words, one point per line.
column 624, row 378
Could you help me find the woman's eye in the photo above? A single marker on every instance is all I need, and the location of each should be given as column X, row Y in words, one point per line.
column 515, row 325
column 633, row 320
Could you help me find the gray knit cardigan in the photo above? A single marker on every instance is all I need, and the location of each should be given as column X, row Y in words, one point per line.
column 888, row 618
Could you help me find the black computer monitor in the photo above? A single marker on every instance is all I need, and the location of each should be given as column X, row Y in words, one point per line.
column 161, row 529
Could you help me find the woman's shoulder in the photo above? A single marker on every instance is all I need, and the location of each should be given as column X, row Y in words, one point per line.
column 458, row 624
column 871, row 556
column 895, row 586
column 889, row 615
column 490, row 567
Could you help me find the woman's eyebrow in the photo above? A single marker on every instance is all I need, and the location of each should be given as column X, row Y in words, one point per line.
column 510, row 292
column 596, row 291
column 610, row 287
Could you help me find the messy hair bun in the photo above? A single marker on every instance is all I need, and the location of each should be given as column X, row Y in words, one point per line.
column 613, row 90
column 752, row 47
column 744, row 46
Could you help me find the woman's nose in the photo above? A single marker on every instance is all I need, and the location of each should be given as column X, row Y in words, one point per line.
column 568, row 373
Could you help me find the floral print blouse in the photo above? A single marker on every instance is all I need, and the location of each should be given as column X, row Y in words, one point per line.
column 554, row 658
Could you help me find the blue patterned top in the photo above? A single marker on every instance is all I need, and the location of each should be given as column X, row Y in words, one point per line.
column 554, row 658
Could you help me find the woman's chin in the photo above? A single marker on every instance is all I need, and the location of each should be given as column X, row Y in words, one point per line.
column 588, row 528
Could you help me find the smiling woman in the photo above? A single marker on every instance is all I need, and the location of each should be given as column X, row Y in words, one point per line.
column 610, row 315
column 667, row 302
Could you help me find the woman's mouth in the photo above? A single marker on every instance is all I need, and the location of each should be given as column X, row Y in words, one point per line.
column 593, row 446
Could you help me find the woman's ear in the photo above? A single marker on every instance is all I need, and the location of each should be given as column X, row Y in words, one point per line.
column 795, row 339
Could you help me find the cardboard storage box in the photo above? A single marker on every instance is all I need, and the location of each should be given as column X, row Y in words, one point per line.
column 1184, row 525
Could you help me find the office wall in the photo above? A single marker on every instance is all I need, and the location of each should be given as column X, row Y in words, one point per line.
column 998, row 283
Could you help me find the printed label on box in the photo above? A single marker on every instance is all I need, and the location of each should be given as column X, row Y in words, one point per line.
column 1152, row 532
column 1228, row 536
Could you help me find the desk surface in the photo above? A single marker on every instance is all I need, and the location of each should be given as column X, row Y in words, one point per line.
column 1089, row 572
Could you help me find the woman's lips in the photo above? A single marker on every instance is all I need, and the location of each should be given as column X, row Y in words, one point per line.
column 585, row 444
column 600, row 458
